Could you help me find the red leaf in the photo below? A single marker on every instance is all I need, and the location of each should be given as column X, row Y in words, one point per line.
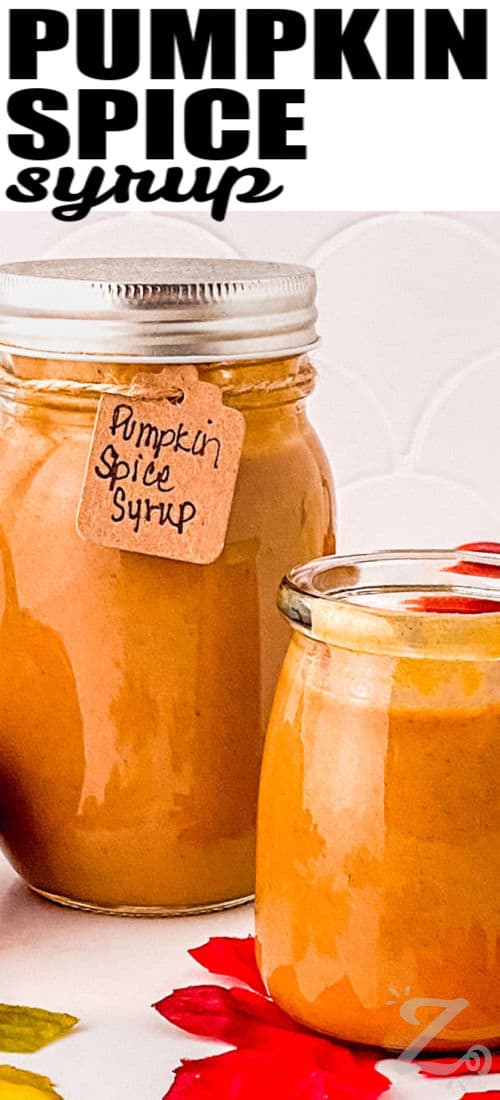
column 463, row 605
column 235, row 1016
column 275, row 1057
column 481, row 547
column 238, row 1075
column 467, row 568
column 453, row 605
column 231, row 958
column 246, row 1020
column 458, row 1067
column 480, row 1095
column 266, row 1075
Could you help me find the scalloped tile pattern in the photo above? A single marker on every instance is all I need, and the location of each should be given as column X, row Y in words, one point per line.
column 408, row 398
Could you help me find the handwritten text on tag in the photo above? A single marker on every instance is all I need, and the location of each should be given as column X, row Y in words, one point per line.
column 162, row 469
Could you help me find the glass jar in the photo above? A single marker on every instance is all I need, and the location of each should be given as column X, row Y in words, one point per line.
column 134, row 690
column 378, row 855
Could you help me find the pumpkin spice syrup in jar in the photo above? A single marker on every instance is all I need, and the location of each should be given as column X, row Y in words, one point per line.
column 378, row 856
column 135, row 689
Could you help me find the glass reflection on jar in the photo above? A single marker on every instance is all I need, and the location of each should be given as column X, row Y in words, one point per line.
column 134, row 690
column 378, row 865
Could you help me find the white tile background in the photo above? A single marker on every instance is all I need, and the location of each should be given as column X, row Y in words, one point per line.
column 408, row 401
column 408, row 406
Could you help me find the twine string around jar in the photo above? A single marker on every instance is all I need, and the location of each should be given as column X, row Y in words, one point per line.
column 67, row 387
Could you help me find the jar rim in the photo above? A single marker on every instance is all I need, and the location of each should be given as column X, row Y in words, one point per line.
column 383, row 602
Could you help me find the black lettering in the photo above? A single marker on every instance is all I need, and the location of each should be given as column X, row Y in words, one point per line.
column 199, row 443
column 249, row 185
column 134, row 514
column 31, row 181
column 220, row 195
column 149, row 478
column 187, row 512
column 34, row 31
column 112, row 469
column 335, row 43
column 22, row 109
column 122, row 421
column 161, row 508
column 119, row 498
column 400, row 44
column 108, row 458
column 160, row 125
column 120, row 191
column 78, row 204
column 159, row 478
column 182, row 433
column 469, row 49
column 169, row 190
column 145, row 184
column 172, row 36
column 149, row 436
column 213, row 439
column 163, row 479
column 263, row 42
column 96, row 123
column 91, row 43
column 167, row 437
column 260, row 180
column 275, row 125
column 199, row 126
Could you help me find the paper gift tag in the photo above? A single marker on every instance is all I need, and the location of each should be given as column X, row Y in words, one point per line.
column 162, row 468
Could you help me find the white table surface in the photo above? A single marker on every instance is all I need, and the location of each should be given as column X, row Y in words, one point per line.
column 108, row 971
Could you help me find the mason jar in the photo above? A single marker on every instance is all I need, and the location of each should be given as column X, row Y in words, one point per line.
column 378, row 862
column 135, row 689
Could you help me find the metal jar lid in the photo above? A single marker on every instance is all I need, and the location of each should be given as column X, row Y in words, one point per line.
column 169, row 310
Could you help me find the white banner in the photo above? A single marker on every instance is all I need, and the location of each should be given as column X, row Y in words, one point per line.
column 368, row 108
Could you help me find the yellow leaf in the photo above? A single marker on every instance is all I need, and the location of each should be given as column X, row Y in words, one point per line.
column 26, row 1030
column 18, row 1084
